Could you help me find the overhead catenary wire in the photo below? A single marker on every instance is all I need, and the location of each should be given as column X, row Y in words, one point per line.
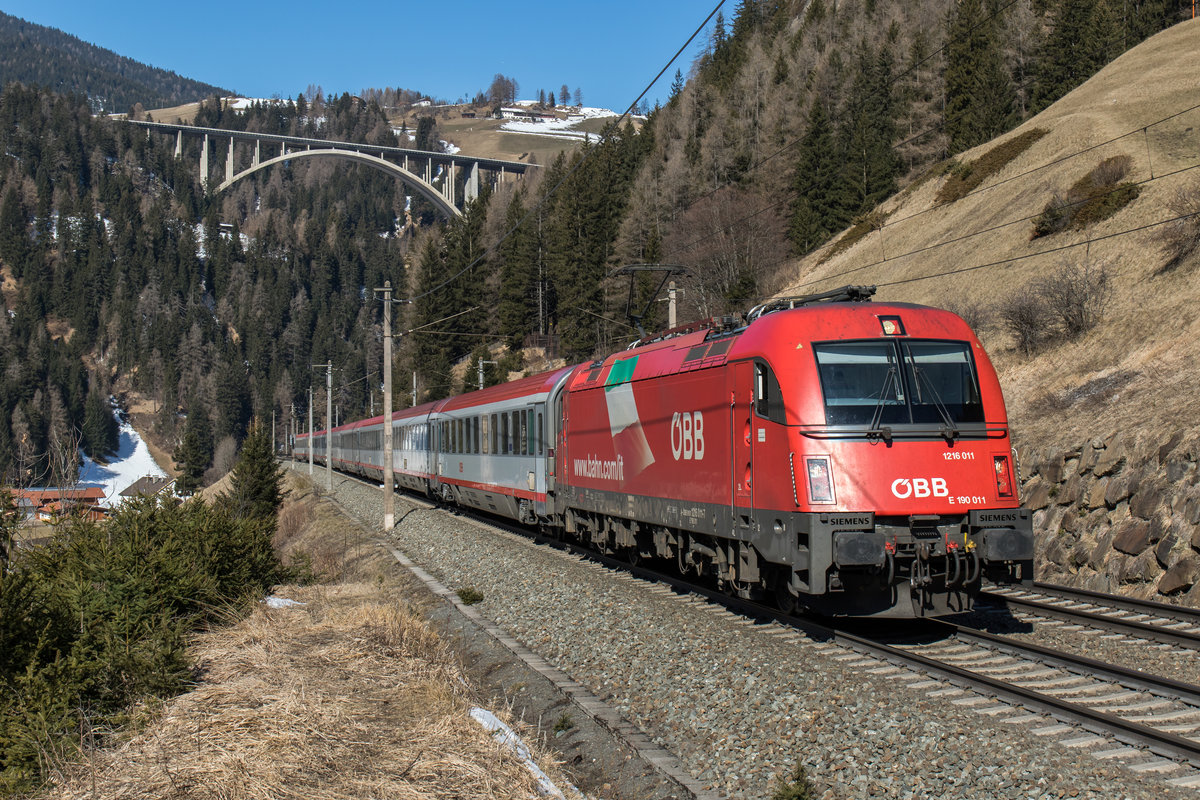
column 792, row 194
column 488, row 252
column 991, row 229
column 1136, row 130
column 896, row 78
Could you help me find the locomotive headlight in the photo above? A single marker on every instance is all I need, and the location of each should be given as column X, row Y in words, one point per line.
column 820, row 479
column 1003, row 476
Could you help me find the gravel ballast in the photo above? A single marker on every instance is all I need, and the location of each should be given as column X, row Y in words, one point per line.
column 741, row 704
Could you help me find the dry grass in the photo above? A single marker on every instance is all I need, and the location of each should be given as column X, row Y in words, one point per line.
column 350, row 696
column 977, row 251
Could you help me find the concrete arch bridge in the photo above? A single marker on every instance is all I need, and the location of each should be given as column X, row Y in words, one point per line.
column 434, row 176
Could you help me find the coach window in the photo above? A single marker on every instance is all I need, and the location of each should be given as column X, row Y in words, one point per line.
column 483, row 437
column 529, row 431
column 475, row 435
column 514, row 433
column 503, row 448
column 539, row 433
column 495, row 436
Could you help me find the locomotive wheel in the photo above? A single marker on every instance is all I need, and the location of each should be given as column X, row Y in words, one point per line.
column 784, row 600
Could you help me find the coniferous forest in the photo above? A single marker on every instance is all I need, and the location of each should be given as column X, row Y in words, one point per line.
column 122, row 274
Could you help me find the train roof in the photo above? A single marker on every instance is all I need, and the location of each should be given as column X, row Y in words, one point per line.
column 534, row 387
column 772, row 331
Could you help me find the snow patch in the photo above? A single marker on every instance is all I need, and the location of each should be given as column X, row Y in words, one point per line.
column 561, row 128
column 282, row 602
column 508, row 737
column 131, row 462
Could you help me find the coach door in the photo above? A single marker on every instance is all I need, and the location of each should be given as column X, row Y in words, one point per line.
column 740, row 430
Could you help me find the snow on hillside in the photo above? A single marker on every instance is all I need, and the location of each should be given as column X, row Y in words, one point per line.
column 132, row 461
column 560, row 128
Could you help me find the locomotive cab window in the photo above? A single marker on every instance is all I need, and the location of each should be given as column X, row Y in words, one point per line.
column 768, row 399
column 898, row 382
column 942, row 377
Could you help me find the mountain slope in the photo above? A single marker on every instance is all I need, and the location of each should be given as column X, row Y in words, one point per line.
column 976, row 253
column 42, row 56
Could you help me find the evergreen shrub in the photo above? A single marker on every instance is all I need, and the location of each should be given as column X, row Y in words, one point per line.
column 98, row 618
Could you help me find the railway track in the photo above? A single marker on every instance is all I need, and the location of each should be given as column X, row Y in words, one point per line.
column 1142, row 619
column 1148, row 725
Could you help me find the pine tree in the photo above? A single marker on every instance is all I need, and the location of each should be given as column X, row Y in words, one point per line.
column 817, row 211
column 101, row 434
column 14, row 236
column 980, row 97
column 1083, row 39
column 867, row 133
column 256, row 486
column 518, row 280
column 195, row 451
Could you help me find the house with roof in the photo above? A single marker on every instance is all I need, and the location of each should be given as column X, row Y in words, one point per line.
column 53, row 503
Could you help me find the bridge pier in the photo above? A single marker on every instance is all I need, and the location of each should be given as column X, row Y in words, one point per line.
column 471, row 190
column 257, row 152
column 178, row 143
column 204, row 163
column 229, row 163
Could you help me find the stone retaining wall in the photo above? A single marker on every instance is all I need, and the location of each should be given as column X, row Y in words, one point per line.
column 1118, row 515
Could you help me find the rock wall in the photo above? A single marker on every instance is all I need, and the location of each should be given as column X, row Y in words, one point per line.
column 1118, row 515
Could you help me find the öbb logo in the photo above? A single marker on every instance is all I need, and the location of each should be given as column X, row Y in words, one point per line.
column 905, row 488
column 687, row 435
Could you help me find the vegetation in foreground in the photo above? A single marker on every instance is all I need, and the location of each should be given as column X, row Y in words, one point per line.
column 97, row 619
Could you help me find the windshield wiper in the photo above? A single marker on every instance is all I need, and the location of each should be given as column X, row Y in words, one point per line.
column 875, row 430
column 949, row 429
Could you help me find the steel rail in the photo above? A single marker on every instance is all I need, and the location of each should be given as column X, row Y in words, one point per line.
column 1098, row 619
column 1180, row 613
column 1161, row 743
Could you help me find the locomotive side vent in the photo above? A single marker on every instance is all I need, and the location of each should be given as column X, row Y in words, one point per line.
column 845, row 294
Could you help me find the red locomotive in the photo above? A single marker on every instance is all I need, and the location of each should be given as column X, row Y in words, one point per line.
column 848, row 456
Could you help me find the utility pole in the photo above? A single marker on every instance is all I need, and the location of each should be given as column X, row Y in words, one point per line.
column 671, row 306
column 481, row 363
column 310, row 431
column 389, row 498
column 328, row 427
column 414, row 402
column 328, row 424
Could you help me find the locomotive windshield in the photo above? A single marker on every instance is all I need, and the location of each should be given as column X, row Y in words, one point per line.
column 898, row 382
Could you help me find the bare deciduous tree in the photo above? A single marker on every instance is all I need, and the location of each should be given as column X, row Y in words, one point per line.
column 1181, row 238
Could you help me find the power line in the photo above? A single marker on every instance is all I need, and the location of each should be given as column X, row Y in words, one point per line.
column 891, row 223
column 1058, row 249
column 789, row 145
column 587, row 155
column 796, row 192
column 991, row 229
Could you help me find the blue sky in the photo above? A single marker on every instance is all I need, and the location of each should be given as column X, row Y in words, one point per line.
column 610, row 50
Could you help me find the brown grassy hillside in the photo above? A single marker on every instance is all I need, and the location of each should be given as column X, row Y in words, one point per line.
column 1134, row 371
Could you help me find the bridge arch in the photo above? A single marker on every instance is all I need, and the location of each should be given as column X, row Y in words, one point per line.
column 426, row 190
